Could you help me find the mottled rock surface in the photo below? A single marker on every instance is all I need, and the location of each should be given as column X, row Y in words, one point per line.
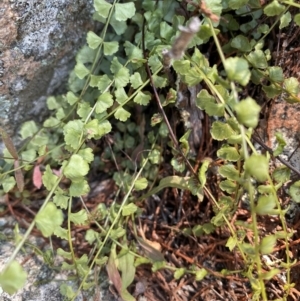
column 38, row 43
column 44, row 281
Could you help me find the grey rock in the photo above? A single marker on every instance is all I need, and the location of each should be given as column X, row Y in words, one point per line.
column 38, row 43
column 43, row 282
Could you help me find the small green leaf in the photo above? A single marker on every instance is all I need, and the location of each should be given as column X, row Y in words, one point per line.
column 292, row 86
column 166, row 31
column 193, row 76
column 136, row 80
column 140, row 184
column 91, row 236
column 231, row 243
column 270, row 274
column 121, row 95
column 73, row 133
column 241, row 42
column 271, row 90
column 229, row 22
column 248, row 112
column 184, row 183
column 101, row 82
column 258, row 167
column 49, row 179
column 109, row 48
column 60, row 114
column 61, row 233
column 199, row 275
column 294, row 192
column 230, row 172
column 78, row 189
column 276, row 74
column 228, row 186
column 102, row 7
column 221, row 131
column 8, row 184
column 285, row 20
column 236, row 4
column 158, row 265
column 122, row 77
column 265, row 205
column 257, row 59
column 124, row 11
column 85, row 55
column 238, row 70
column 159, row 81
column 79, row 218
column 81, row 71
column 122, row 114
column 202, row 172
column 133, row 52
column 52, row 104
column 274, row 9
column 281, row 174
column 281, row 144
column 127, row 268
column 207, row 102
column 119, row 26
column 48, row 219
column 28, row 129
column 83, row 110
column 182, row 66
column 178, row 165
column 71, row 98
column 76, row 168
column 103, row 129
column 155, row 156
column 267, row 244
column 93, row 40
column 13, row 278
column 297, row 19
column 117, row 233
column 61, row 201
column 51, row 122
column 104, row 102
column 64, row 254
column 129, row 209
column 179, row 273
column 142, row 98
column 229, row 153
column 248, row 249
column 67, row 290
column 115, row 65
column 92, row 128
column 87, row 154
column 154, row 63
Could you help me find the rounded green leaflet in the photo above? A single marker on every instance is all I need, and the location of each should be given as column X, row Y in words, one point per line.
column 76, row 168
column 124, row 11
column 238, row 70
column 13, row 278
column 248, row 112
column 49, row 219
column 93, row 40
column 258, row 167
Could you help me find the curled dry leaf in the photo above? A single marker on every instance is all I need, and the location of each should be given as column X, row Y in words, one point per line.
column 9, row 144
column 19, row 176
column 37, row 177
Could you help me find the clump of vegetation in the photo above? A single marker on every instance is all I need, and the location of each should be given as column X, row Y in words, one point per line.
column 159, row 101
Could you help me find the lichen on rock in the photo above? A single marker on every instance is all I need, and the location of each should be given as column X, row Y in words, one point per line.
column 39, row 40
